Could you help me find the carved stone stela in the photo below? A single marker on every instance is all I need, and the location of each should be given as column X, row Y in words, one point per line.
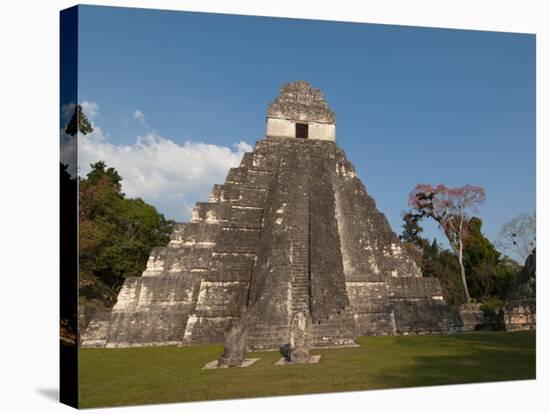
column 234, row 344
column 300, row 338
column 291, row 230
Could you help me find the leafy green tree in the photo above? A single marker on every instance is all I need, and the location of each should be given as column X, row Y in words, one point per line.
column 489, row 273
column 434, row 260
column 100, row 171
column 116, row 234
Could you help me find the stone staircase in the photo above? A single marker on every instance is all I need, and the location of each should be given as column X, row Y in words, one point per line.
column 337, row 330
column 263, row 337
column 300, row 283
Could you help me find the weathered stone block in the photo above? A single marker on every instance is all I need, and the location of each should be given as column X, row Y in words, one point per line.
column 180, row 258
column 251, row 197
column 259, row 179
column 205, row 330
column 423, row 316
column 414, row 288
column 237, row 240
column 236, row 175
column 176, row 292
column 221, row 299
column 247, row 160
column 96, row 332
column 230, row 267
column 216, row 193
column 245, row 217
column 368, row 296
column 146, row 328
column 474, row 318
column 375, row 323
column 195, row 234
column 520, row 311
column 520, row 315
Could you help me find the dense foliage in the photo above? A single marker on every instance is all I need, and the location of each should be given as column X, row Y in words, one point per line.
column 68, row 252
column 116, row 235
column 488, row 272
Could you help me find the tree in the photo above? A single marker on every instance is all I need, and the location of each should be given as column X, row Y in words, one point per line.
column 68, row 251
column 412, row 230
column 518, row 236
column 489, row 274
column 434, row 260
column 78, row 123
column 441, row 263
column 450, row 208
column 100, row 171
column 116, row 234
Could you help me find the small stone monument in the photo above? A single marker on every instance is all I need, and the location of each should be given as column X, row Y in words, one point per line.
column 299, row 342
column 234, row 345
column 300, row 338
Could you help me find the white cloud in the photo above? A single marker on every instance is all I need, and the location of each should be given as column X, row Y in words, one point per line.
column 68, row 150
column 90, row 109
column 140, row 116
column 169, row 175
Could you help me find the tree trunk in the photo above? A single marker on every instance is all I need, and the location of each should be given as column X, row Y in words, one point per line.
column 463, row 275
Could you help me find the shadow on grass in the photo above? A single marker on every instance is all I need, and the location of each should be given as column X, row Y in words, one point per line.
column 171, row 374
column 467, row 358
column 285, row 352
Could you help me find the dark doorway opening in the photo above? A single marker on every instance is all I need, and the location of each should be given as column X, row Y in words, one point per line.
column 301, row 130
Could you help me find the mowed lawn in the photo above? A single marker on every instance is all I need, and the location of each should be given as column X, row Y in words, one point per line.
column 170, row 374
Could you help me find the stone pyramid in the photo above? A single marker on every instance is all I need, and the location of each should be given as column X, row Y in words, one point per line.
column 292, row 228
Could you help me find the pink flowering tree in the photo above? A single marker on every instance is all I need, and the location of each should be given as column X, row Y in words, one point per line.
column 451, row 208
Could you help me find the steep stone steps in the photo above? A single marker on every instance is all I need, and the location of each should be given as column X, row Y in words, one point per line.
column 267, row 337
column 336, row 330
column 299, row 222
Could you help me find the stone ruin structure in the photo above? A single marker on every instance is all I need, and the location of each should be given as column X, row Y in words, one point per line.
column 520, row 310
column 291, row 229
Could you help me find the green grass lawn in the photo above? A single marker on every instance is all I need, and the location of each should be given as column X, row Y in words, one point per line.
column 170, row 374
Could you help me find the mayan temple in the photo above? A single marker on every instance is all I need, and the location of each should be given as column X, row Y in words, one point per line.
column 292, row 228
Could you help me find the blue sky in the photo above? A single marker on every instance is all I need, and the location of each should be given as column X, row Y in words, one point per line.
column 412, row 104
